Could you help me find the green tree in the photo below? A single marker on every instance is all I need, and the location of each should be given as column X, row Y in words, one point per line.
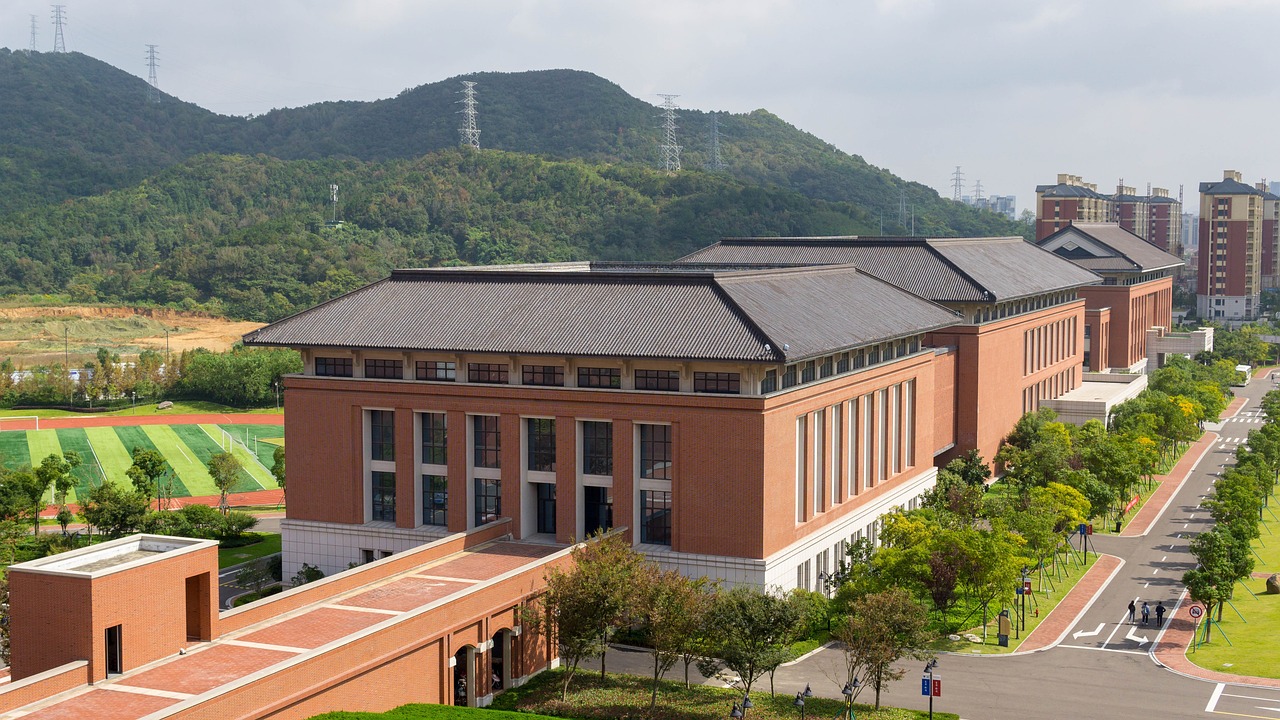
column 750, row 630
column 669, row 614
column 114, row 510
column 56, row 472
column 277, row 469
column 225, row 469
column 147, row 472
column 882, row 629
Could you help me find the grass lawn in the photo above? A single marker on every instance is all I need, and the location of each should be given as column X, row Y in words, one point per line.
column 1252, row 649
column 205, row 447
column 628, row 696
column 89, row 473
column 14, row 452
column 134, row 436
column 433, row 712
column 1045, row 598
column 262, row 439
column 190, row 469
column 269, row 544
column 180, row 407
column 260, row 477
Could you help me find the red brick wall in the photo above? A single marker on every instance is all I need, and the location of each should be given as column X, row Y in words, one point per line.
column 1134, row 310
column 17, row 693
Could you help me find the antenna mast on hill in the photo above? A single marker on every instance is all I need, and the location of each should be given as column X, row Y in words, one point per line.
column 153, row 92
column 59, row 17
column 470, row 133
column 33, row 35
column 902, row 208
column 957, row 184
column 333, row 194
column 714, row 162
column 670, row 150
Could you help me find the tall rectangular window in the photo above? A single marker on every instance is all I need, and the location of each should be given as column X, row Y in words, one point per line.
column 597, row 508
column 853, row 465
column 488, row 500
column 909, row 421
column 550, row 375
column 382, row 435
column 590, row 377
column 868, row 441
column 655, row 517
column 837, row 433
column 384, row 496
column 384, row 369
column 801, row 456
column 717, row 382
column 546, row 502
column 494, row 373
column 435, row 500
column 882, row 434
column 668, row 380
column 486, row 440
column 435, row 448
column 655, row 452
column 541, row 444
column 819, row 461
column 895, row 429
column 334, row 367
column 597, row 448
column 436, row 370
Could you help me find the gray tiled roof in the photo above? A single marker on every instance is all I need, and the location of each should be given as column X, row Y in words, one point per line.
column 1228, row 187
column 1067, row 191
column 1129, row 252
column 625, row 313
column 942, row 270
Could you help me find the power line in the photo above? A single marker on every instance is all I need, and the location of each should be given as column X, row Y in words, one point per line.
column 957, row 185
column 670, row 149
column 469, row 132
column 153, row 91
column 714, row 162
column 32, row 48
column 59, row 19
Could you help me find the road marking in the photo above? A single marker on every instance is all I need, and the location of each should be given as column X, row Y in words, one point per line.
column 1166, row 557
column 1146, row 585
column 1122, row 621
column 1153, row 572
column 1171, row 545
column 1184, row 525
column 1104, row 649
column 1088, row 633
column 1140, row 639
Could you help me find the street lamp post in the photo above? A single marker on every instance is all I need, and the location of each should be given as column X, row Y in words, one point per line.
column 133, row 394
column 850, row 688
column 800, row 696
column 275, row 385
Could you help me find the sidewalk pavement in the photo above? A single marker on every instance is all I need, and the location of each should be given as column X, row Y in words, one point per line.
column 1151, row 510
column 1062, row 618
column 1170, row 650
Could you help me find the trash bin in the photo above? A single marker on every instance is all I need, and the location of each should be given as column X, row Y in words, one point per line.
column 1118, row 523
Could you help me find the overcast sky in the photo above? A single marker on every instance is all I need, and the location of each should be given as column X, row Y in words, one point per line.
column 1014, row 91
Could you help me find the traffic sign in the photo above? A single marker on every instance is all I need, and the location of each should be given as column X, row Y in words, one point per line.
column 1196, row 611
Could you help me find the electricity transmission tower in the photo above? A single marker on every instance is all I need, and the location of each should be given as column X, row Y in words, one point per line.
column 977, row 192
column 714, row 163
column 902, row 208
column 670, row 150
column 32, row 48
column 469, row 132
column 153, row 91
column 957, row 185
column 59, row 19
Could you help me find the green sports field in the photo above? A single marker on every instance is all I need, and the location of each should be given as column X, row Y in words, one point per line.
column 106, row 453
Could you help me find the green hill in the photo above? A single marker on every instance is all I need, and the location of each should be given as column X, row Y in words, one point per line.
column 124, row 200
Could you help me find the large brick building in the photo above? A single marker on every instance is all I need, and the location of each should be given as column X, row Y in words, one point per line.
column 1230, row 268
column 1155, row 217
column 1136, row 293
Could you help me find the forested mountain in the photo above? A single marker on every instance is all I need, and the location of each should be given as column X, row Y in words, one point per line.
column 177, row 203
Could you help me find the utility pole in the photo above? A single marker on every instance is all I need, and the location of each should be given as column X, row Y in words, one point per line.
column 957, row 185
column 469, row 132
column 714, row 163
column 670, row 149
column 333, row 194
column 59, row 19
column 32, row 48
column 153, row 92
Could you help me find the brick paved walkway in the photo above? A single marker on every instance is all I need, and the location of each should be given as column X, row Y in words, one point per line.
column 1171, row 651
column 1063, row 617
column 1168, row 485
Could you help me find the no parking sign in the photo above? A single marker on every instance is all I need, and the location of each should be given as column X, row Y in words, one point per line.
column 1195, row 611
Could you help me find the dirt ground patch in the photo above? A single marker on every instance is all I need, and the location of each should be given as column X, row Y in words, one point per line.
column 41, row 335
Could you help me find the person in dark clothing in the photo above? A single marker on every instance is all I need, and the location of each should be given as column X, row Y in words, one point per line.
column 1160, row 614
column 1132, row 609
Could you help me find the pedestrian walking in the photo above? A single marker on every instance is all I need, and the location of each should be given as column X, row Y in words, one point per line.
column 1146, row 612
column 1132, row 609
column 1160, row 614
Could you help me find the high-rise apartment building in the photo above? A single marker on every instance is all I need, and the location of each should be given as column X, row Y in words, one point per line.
column 1270, row 237
column 1230, row 253
column 1070, row 200
column 1155, row 217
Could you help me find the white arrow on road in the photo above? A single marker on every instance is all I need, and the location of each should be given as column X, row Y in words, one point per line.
column 1087, row 633
column 1140, row 639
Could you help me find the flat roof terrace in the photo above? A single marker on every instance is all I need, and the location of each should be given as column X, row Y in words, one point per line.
column 122, row 554
column 207, row 670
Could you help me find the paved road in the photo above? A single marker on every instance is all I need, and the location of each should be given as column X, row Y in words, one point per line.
column 1104, row 667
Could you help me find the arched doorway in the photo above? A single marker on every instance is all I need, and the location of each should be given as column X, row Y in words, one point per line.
column 500, row 657
column 464, row 686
